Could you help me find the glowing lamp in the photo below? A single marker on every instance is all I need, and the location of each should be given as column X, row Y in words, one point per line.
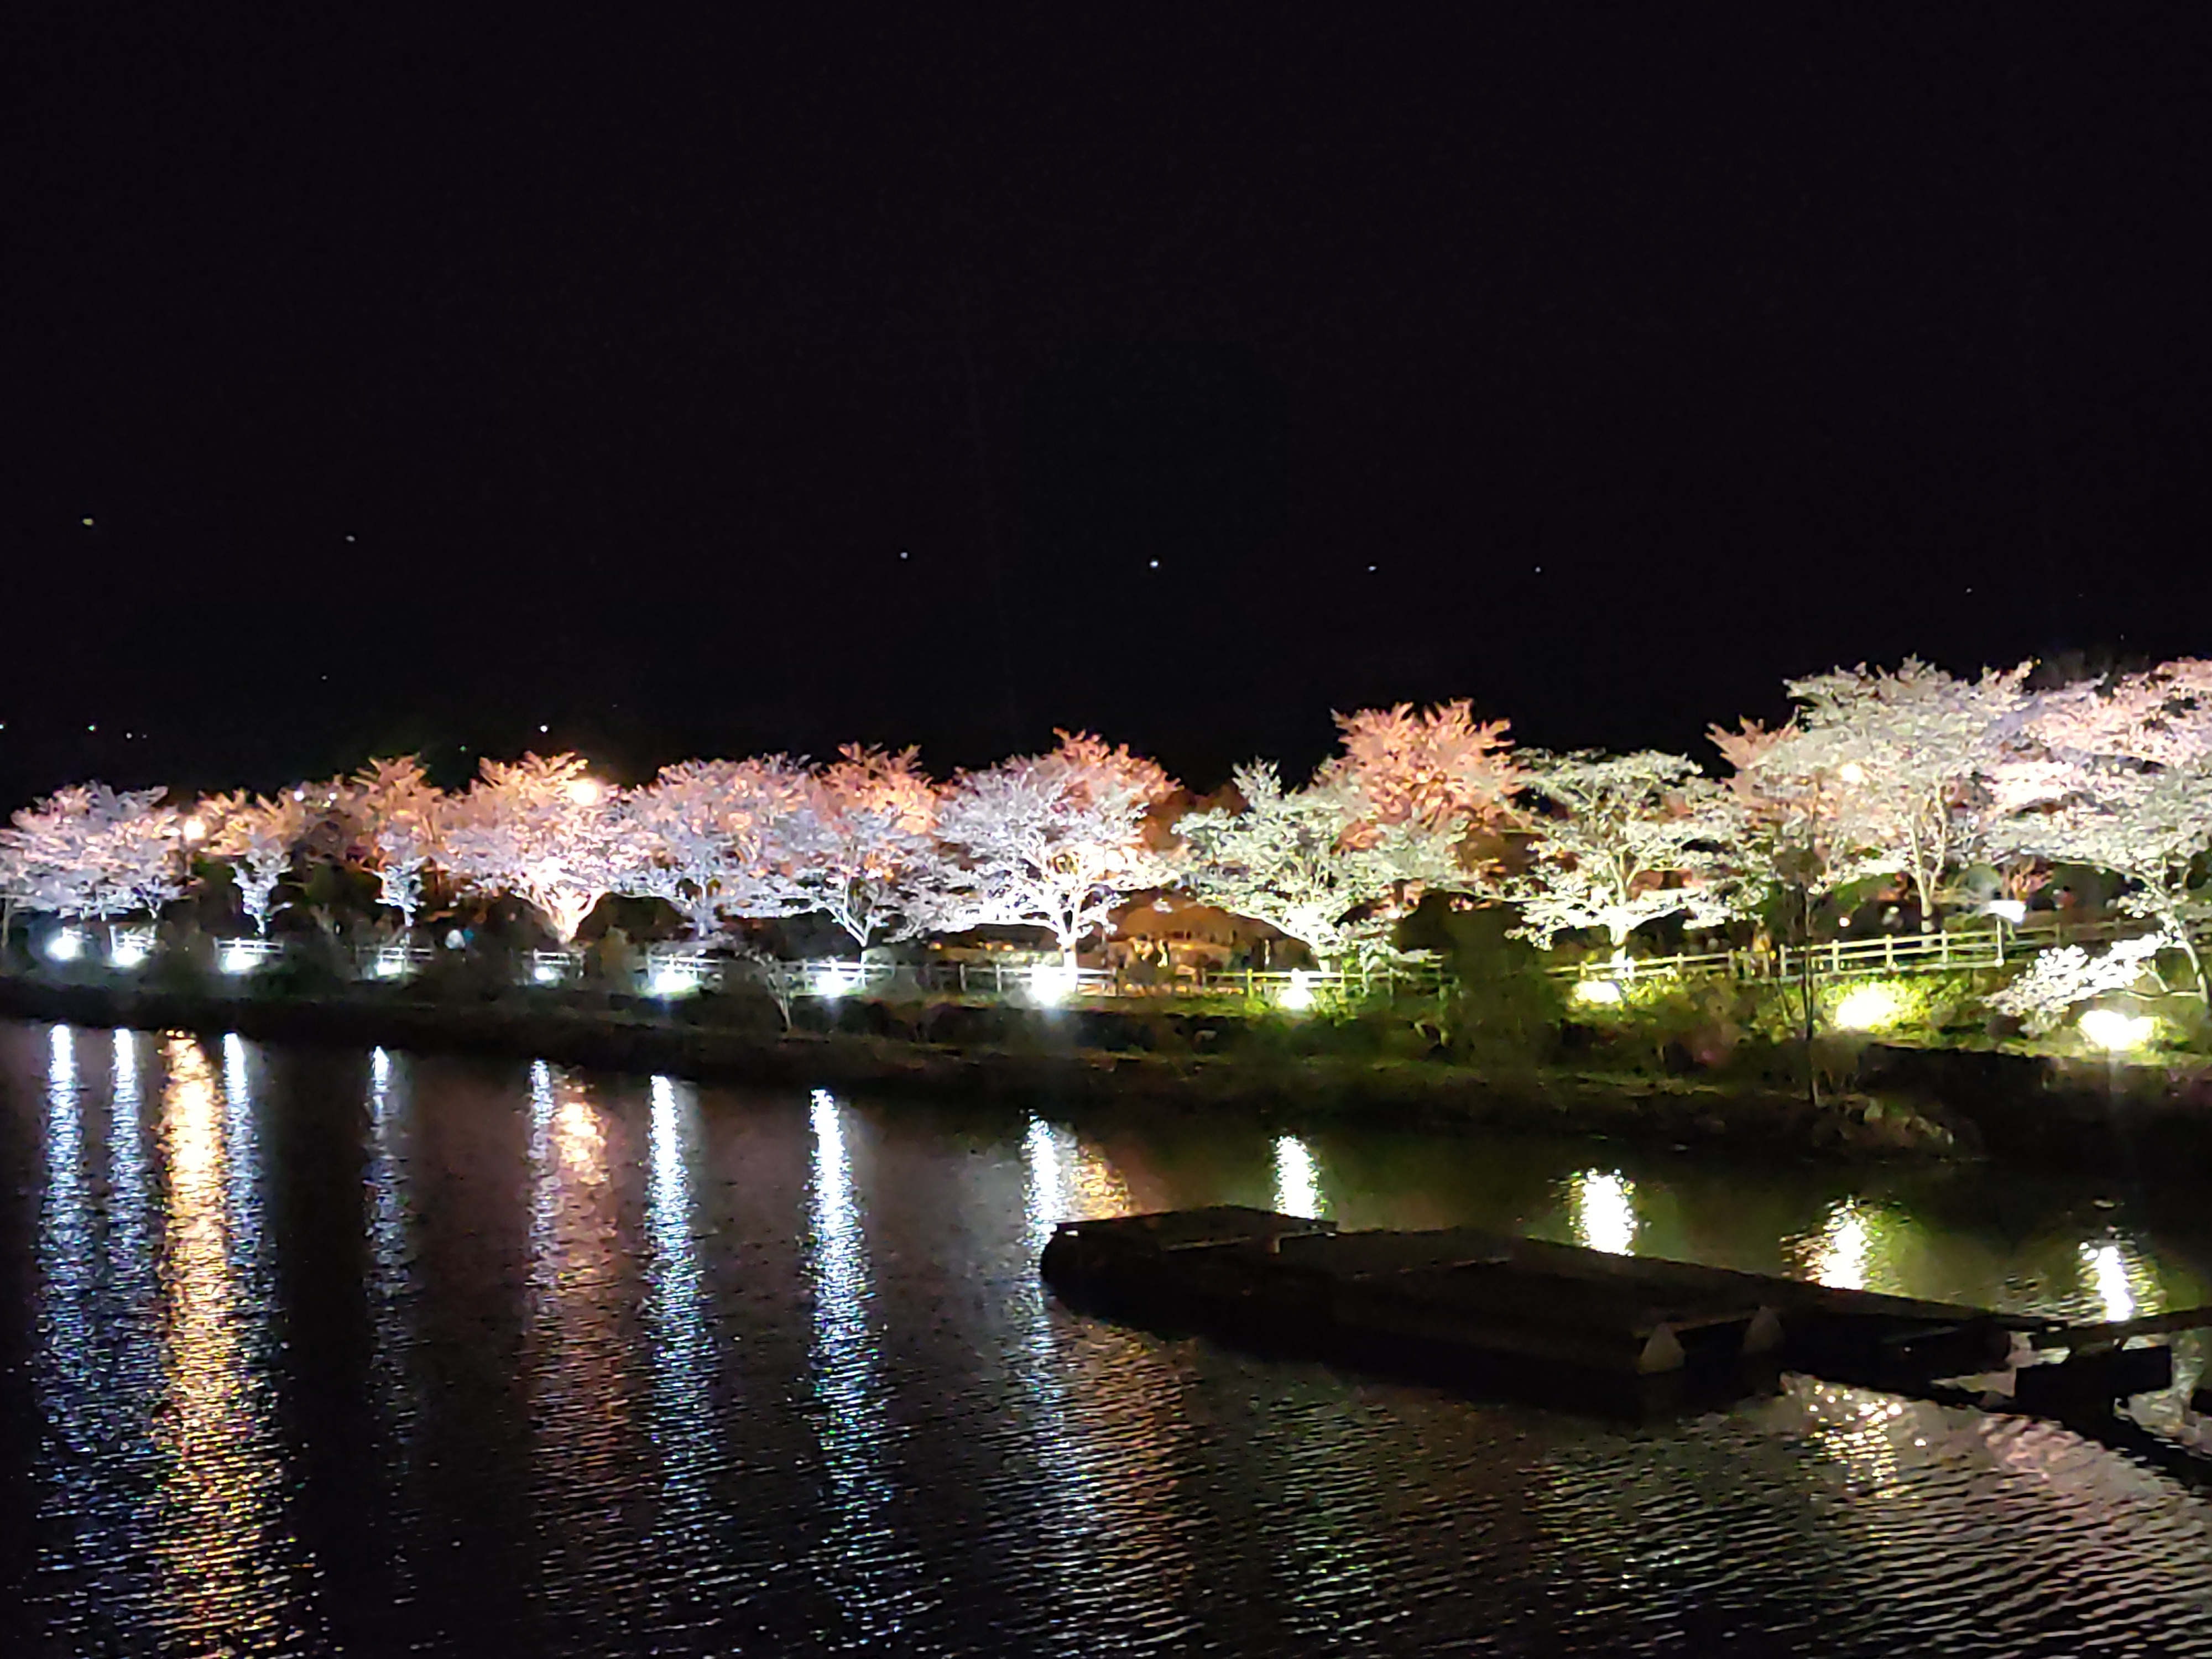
column 2112, row 1030
column 128, row 953
column 237, row 959
column 1602, row 993
column 1868, row 1008
column 66, row 945
column 585, row 792
column 1851, row 772
column 1299, row 994
column 194, row 830
column 546, row 973
column 673, row 982
column 1052, row 984
column 2012, row 910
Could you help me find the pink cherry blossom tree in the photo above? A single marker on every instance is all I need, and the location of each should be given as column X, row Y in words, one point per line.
column 1437, row 768
column 256, row 836
column 400, row 816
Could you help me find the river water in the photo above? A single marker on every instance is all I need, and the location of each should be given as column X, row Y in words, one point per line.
column 311, row 1352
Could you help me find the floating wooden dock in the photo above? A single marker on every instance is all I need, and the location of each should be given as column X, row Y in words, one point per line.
column 1561, row 1324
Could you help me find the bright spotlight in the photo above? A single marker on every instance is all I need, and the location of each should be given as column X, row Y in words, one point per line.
column 195, row 830
column 673, row 982
column 546, row 973
column 1868, row 1008
column 1051, row 983
column 586, row 791
column 128, row 953
column 2111, row 1030
column 1299, row 994
column 66, row 945
column 2012, row 910
column 1851, row 772
column 1604, row 993
column 236, row 959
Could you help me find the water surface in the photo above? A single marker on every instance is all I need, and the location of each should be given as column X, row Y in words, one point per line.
column 309, row 1351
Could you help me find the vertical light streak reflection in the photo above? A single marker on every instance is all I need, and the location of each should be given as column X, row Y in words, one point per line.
column 868, row 1573
column 2121, row 1279
column 1839, row 1257
column 1105, row 1419
column 684, row 1545
column 1297, row 1180
column 72, row 1531
column 1601, row 1211
column 584, row 1382
column 222, row 1552
column 388, row 1222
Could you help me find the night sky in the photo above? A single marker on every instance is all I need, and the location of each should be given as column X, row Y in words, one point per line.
column 684, row 383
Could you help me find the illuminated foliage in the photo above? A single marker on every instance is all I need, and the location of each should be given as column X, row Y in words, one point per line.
column 1883, row 772
column 2059, row 981
column 92, row 851
column 401, row 814
column 545, row 830
column 1311, row 863
column 1055, row 841
column 1623, row 840
column 256, row 837
column 861, row 849
column 703, row 835
column 1437, row 768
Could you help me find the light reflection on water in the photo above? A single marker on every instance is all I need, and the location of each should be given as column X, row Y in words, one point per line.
column 223, row 1552
column 1601, row 1211
column 676, row 1370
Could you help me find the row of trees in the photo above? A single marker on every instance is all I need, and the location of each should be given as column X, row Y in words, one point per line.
column 1944, row 788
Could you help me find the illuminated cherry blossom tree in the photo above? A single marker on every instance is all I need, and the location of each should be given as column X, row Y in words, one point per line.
column 1055, row 841
column 1898, row 762
column 256, row 837
column 1437, row 768
column 2150, row 827
column 89, row 850
column 2058, row 980
column 1622, row 840
column 400, row 814
column 1311, row 863
column 862, row 850
column 2160, row 717
column 706, row 838
column 545, row 830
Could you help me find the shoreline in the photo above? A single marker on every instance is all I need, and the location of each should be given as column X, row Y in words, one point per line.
column 1925, row 1104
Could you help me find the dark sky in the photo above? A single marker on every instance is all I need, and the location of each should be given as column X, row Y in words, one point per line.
column 687, row 382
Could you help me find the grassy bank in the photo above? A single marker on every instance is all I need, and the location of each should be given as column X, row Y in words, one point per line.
column 1928, row 1103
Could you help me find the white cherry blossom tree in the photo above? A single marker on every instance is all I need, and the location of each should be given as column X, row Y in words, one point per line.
column 1311, row 863
column 707, row 838
column 2150, row 827
column 92, row 851
column 545, row 830
column 1621, row 840
column 1055, row 841
column 1898, row 761
column 862, row 849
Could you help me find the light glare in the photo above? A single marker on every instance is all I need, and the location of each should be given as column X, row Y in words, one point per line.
column 2112, row 1030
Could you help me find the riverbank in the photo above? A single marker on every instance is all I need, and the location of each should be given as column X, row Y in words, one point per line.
column 1927, row 1104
